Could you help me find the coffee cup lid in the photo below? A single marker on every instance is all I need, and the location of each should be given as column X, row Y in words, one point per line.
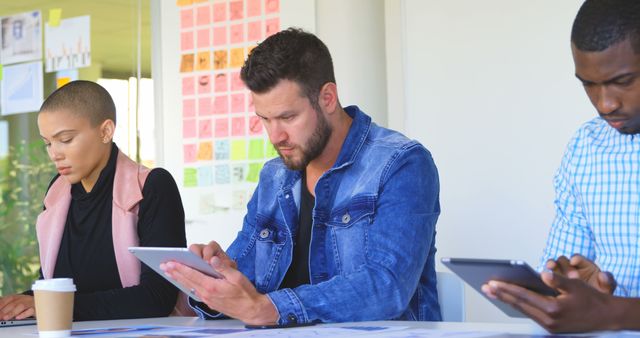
column 54, row 284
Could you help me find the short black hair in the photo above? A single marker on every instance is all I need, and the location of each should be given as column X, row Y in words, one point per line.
column 291, row 54
column 82, row 98
column 601, row 24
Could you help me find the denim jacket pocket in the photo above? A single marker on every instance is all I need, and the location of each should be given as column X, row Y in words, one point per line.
column 269, row 243
column 347, row 230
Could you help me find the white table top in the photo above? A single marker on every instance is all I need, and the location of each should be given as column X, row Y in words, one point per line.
column 519, row 330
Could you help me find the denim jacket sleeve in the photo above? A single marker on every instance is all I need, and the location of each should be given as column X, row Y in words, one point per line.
column 399, row 238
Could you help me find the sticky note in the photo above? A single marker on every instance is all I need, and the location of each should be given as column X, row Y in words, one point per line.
column 189, row 153
column 205, row 151
column 221, row 105
column 254, row 8
column 203, row 38
column 237, row 33
column 254, row 31
column 238, row 150
column 205, row 176
column 182, row 3
column 223, row 174
column 254, row 172
column 221, row 83
column 189, row 108
column 221, row 149
column 256, row 149
column 236, row 10
column 272, row 26
column 271, row 151
column 237, row 57
column 204, row 84
column 60, row 81
column 250, row 107
column 186, row 18
column 188, row 128
column 205, row 129
column 203, row 15
column 237, row 173
column 221, row 127
column 204, row 106
column 54, row 17
column 237, row 126
column 255, row 125
column 188, row 85
column 186, row 63
column 1, row 71
column 204, row 61
column 237, row 103
column 190, row 177
column 272, row 6
column 236, row 82
column 220, row 59
column 219, row 36
column 186, row 40
column 219, row 11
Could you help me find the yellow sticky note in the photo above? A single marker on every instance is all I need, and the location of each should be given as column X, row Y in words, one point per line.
column 54, row 17
column 1, row 71
column 182, row 3
column 205, row 151
column 254, row 172
column 256, row 149
column 238, row 150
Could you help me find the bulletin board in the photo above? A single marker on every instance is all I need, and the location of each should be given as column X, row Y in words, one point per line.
column 210, row 139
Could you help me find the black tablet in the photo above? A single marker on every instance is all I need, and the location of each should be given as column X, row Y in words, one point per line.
column 477, row 272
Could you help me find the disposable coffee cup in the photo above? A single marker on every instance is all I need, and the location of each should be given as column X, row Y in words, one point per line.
column 54, row 306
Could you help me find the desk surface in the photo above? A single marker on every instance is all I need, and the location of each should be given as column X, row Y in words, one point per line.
column 519, row 330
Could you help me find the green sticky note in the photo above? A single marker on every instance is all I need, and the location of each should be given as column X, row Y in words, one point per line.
column 271, row 151
column 256, row 149
column 254, row 171
column 54, row 17
column 238, row 150
column 190, row 177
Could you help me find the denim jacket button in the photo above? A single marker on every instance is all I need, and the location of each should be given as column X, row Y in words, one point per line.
column 286, row 196
column 346, row 218
column 292, row 318
column 264, row 233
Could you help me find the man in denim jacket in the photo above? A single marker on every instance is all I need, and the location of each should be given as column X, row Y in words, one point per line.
column 342, row 225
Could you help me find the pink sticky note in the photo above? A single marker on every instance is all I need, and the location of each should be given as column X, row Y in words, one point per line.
column 253, row 8
column 219, row 11
column 237, row 126
column 221, row 105
column 255, row 125
column 205, row 129
column 236, row 11
column 251, row 108
column 236, row 82
column 203, row 15
column 237, row 103
column 186, row 40
column 189, row 108
column 204, row 106
column 222, row 127
column 221, row 84
column 272, row 6
column 188, row 128
column 272, row 26
column 254, row 31
column 190, row 153
column 203, row 38
column 186, row 18
column 188, row 85
column 204, row 84
column 237, row 34
column 219, row 36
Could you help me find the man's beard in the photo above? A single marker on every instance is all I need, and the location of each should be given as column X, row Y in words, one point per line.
column 312, row 148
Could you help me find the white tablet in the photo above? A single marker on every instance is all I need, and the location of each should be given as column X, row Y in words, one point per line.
column 154, row 256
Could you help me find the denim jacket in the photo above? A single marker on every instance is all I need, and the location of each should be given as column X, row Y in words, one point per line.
column 373, row 235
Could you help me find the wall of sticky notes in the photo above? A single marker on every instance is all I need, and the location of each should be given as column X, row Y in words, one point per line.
column 212, row 142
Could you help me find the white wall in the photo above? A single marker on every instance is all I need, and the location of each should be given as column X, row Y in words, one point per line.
column 489, row 89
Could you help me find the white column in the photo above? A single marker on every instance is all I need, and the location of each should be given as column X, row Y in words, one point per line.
column 354, row 31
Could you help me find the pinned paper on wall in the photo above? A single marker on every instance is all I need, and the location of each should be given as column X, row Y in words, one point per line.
column 219, row 36
column 22, row 88
column 204, row 84
column 221, row 150
column 219, row 11
column 65, row 76
column 203, row 38
column 254, row 7
column 204, row 61
column 237, row 103
column 190, row 177
column 204, row 106
column 236, row 10
column 237, row 57
column 205, row 151
column 221, row 83
column 238, row 150
column 205, row 176
column 189, row 108
column 256, row 149
column 190, row 153
column 220, row 59
column 255, row 126
column 55, row 14
column 203, row 15
column 189, row 128
column 272, row 6
column 188, row 85
column 254, row 172
column 204, row 128
column 21, row 37
column 68, row 45
column 238, row 172
column 186, row 63
column 186, row 18
column 237, row 126
column 254, row 31
column 237, row 33
column 236, row 82
column 223, row 174
column 222, row 128
column 221, row 105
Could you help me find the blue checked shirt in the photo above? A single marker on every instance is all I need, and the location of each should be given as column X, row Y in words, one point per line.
column 598, row 203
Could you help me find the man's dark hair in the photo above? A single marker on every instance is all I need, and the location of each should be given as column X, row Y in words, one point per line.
column 291, row 54
column 82, row 98
column 601, row 24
